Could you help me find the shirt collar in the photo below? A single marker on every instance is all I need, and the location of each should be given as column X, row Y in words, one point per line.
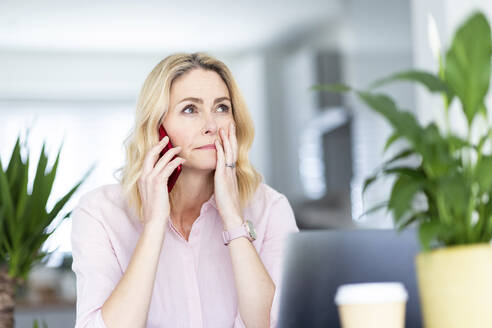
column 211, row 201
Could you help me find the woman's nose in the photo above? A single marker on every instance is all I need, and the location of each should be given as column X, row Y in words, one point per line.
column 211, row 125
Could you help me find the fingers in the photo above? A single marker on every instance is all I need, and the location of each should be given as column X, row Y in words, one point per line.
column 164, row 160
column 220, row 155
column 227, row 146
column 233, row 140
column 152, row 154
column 170, row 167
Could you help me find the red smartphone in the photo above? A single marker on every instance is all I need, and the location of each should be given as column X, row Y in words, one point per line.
column 174, row 176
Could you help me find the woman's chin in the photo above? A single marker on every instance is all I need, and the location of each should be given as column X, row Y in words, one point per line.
column 203, row 164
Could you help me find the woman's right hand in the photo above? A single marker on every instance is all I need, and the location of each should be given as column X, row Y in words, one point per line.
column 152, row 184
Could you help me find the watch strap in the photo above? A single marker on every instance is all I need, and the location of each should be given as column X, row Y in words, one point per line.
column 239, row 231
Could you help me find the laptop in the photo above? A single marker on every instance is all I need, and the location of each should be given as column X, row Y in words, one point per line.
column 318, row 261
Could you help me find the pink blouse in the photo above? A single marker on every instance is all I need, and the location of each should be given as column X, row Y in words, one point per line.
column 194, row 285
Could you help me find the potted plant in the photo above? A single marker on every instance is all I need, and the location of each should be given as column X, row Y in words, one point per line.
column 35, row 324
column 452, row 178
column 23, row 223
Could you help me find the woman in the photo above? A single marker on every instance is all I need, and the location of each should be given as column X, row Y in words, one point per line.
column 144, row 257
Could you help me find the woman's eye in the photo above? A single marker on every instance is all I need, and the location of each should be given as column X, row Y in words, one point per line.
column 226, row 108
column 192, row 107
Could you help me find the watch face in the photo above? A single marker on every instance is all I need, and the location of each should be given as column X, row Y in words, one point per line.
column 251, row 229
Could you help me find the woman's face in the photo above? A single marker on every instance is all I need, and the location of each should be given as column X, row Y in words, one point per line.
column 192, row 123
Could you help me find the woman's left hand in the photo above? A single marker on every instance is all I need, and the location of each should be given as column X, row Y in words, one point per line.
column 225, row 179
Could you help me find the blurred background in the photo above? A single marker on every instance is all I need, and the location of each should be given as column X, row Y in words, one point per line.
column 73, row 71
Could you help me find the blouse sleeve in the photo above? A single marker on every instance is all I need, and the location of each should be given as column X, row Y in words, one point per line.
column 95, row 266
column 281, row 223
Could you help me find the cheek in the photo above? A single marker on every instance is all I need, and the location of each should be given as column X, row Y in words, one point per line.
column 224, row 124
column 185, row 141
column 177, row 139
column 178, row 136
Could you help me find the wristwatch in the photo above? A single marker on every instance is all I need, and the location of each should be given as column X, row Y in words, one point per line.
column 244, row 230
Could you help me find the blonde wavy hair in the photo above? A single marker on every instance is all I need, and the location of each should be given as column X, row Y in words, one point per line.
column 153, row 100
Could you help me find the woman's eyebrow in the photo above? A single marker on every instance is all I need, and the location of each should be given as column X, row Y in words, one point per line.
column 200, row 101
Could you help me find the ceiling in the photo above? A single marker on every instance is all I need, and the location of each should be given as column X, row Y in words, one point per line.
column 156, row 26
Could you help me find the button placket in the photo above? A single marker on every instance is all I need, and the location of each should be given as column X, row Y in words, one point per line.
column 195, row 300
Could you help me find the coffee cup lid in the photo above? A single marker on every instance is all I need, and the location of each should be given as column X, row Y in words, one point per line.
column 374, row 292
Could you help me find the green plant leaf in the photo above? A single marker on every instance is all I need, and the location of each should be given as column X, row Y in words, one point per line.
column 8, row 215
column 457, row 143
column 35, row 324
column 484, row 139
column 22, row 190
column 432, row 82
column 486, row 233
column 483, row 172
column 437, row 159
column 335, row 87
column 373, row 209
column 369, row 181
column 428, row 232
column 404, row 190
column 15, row 163
column 467, row 67
column 385, row 166
column 61, row 203
column 5, row 196
column 415, row 217
column 394, row 136
column 405, row 153
column 414, row 173
column 411, row 172
column 457, row 194
column 404, row 123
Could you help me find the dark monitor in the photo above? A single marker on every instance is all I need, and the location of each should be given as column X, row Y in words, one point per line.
column 318, row 262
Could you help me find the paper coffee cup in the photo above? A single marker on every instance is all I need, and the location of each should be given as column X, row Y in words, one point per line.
column 369, row 305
